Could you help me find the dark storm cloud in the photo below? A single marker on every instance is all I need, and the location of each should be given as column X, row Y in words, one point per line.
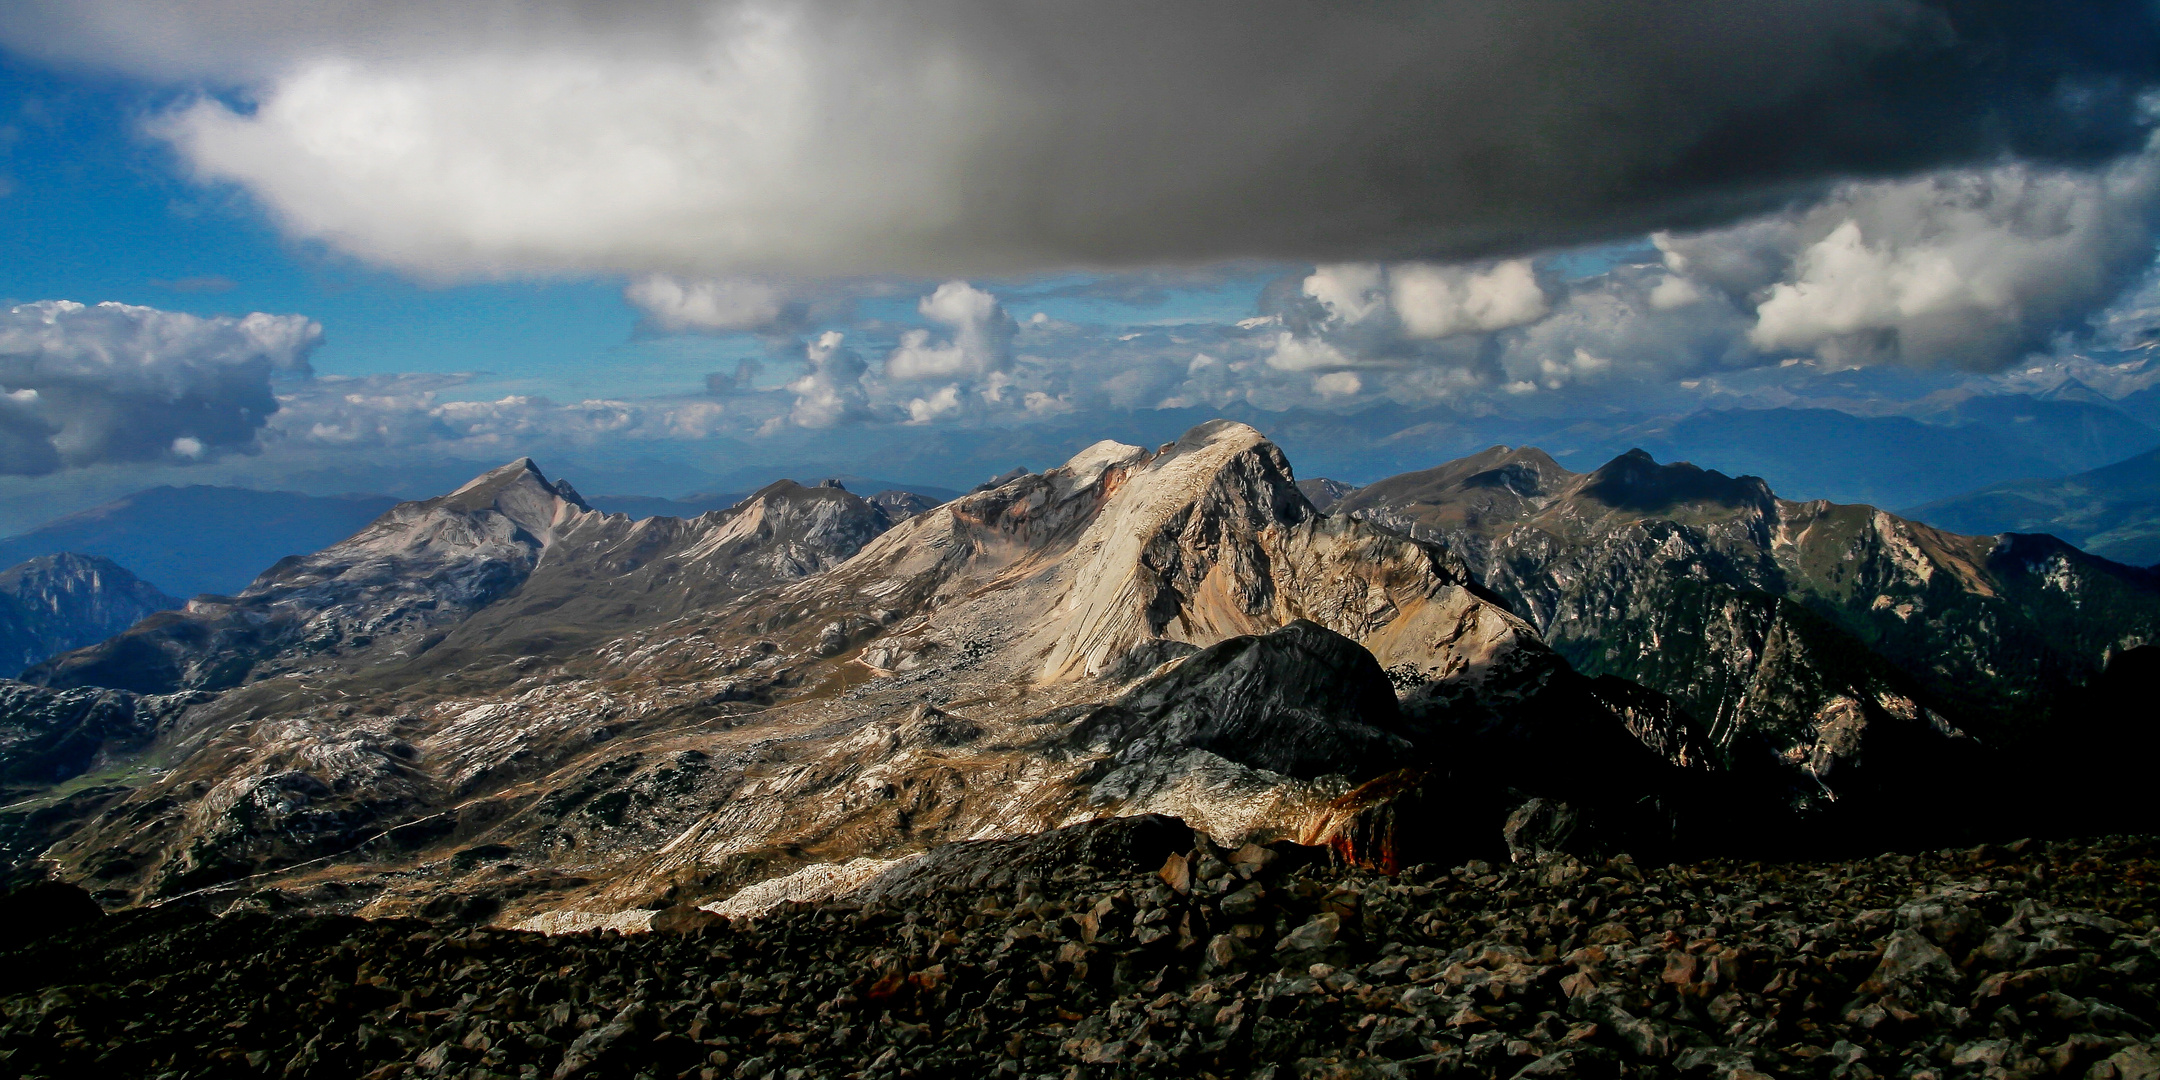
column 82, row 385
column 990, row 136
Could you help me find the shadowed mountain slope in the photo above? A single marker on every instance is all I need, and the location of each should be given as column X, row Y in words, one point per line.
column 54, row 603
column 2112, row 511
column 1767, row 615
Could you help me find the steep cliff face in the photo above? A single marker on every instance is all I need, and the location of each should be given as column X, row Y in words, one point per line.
column 1303, row 701
column 55, row 603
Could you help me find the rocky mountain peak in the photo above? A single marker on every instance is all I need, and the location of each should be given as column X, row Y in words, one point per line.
column 1060, row 576
column 1497, row 484
column 54, row 603
column 520, row 493
column 418, row 567
column 1636, row 482
column 55, row 583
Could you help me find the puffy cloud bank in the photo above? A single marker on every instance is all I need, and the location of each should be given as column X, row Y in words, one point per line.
column 828, row 137
column 713, row 305
column 1966, row 269
column 84, row 385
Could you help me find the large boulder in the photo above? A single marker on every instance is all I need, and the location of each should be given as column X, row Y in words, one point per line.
column 1106, row 848
column 1303, row 701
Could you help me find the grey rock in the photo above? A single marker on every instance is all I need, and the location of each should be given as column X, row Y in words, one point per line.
column 1302, row 701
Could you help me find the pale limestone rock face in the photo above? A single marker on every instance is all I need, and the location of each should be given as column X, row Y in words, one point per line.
column 580, row 922
column 1205, row 540
column 807, row 885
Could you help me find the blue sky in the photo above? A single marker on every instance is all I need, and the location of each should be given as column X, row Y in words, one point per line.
column 97, row 210
column 472, row 258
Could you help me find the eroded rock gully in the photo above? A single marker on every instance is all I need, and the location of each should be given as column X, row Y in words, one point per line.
column 1134, row 949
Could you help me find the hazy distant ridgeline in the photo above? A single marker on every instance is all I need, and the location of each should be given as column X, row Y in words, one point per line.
column 198, row 539
column 2112, row 511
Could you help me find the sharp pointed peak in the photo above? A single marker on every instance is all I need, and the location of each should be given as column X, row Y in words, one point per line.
column 489, row 486
column 521, row 467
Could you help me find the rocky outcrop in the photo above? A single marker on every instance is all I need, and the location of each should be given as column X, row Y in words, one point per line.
column 48, row 736
column 1395, row 821
column 1302, row 701
column 1843, row 642
column 901, row 505
column 55, row 603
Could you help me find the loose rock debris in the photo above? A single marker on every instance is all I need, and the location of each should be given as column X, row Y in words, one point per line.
column 2028, row 960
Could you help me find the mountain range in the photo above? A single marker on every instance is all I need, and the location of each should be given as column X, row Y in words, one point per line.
column 55, row 603
column 1699, row 584
column 2112, row 511
column 507, row 704
column 200, row 539
column 1890, row 453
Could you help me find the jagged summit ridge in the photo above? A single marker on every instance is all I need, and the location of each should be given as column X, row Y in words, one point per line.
column 1829, row 635
column 1202, row 540
column 417, row 576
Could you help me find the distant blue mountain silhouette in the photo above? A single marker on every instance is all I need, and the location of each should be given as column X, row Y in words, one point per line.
column 200, row 539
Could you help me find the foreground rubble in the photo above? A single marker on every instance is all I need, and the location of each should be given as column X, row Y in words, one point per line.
column 1078, row 958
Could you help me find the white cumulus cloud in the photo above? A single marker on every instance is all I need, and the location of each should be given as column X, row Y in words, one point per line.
column 1439, row 301
column 93, row 384
column 980, row 342
column 830, row 390
column 716, row 304
column 1971, row 269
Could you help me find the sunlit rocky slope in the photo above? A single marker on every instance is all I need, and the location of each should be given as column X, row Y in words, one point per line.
column 502, row 704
